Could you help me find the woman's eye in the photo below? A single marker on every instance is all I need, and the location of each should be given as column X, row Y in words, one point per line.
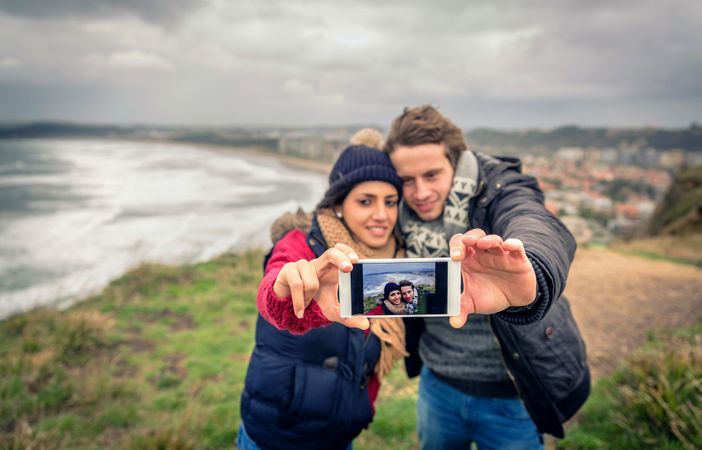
column 364, row 202
column 391, row 203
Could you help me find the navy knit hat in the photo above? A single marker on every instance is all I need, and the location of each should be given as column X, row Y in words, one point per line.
column 389, row 288
column 359, row 163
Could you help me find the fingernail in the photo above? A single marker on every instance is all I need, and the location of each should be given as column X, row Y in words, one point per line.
column 345, row 264
column 456, row 253
column 299, row 313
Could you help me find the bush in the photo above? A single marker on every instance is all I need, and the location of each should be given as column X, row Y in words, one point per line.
column 654, row 401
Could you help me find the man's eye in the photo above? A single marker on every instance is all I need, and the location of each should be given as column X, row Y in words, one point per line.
column 431, row 175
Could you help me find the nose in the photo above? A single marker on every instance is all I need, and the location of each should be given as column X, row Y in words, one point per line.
column 380, row 212
column 422, row 190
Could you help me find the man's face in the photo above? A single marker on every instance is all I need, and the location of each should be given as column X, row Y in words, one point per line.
column 427, row 177
column 407, row 293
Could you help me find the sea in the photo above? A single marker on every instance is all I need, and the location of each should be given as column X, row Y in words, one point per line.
column 77, row 214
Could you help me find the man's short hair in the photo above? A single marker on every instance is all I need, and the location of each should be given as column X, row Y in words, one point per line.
column 406, row 283
column 426, row 125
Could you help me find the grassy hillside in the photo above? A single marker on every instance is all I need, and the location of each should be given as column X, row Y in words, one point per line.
column 158, row 359
column 674, row 232
column 680, row 212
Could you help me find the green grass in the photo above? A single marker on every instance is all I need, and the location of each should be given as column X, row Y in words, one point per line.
column 157, row 360
column 653, row 401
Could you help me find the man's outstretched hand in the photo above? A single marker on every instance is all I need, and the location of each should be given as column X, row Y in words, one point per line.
column 496, row 274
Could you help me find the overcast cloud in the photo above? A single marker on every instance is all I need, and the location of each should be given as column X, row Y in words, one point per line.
column 304, row 62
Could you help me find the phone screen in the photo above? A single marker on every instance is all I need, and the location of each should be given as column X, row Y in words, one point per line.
column 400, row 288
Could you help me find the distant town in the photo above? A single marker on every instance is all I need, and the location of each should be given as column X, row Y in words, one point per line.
column 604, row 183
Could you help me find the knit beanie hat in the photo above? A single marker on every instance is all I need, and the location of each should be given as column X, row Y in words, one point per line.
column 359, row 163
column 389, row 288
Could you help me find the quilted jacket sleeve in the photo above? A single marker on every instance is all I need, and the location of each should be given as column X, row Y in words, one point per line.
column 279, row 311
column 518, row 211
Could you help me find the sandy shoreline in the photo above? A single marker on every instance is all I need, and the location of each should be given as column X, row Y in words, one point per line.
column 290, row 161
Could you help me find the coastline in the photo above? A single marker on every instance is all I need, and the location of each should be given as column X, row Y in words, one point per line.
column 24, row 300
column 288, row 160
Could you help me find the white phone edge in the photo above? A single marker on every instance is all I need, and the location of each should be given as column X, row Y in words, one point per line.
column 453, row 280
column 345, row 293
column 454, row 288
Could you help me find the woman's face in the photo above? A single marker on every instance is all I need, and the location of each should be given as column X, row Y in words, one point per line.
column 370, row 212
column 394, row 297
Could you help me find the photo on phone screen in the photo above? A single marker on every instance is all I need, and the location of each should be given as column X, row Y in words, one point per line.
column 401, row 288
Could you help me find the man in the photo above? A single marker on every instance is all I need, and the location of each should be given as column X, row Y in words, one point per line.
column 512, row 365
column 408, row 296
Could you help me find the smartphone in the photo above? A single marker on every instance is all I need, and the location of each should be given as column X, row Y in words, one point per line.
column 411, row 287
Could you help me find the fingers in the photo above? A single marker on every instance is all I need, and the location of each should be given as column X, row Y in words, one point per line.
column 491, row 243
column 340, row 256
column 457, row 247
column 355, row 322
column 460, row 243
column 290, row 275
column 348, row 251
column 299, row 280
column 310, row 282
column 470, row 237
column 515, row 246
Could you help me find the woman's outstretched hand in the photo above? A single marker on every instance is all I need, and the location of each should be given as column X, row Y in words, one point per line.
column 496, row 274
column 318, row 280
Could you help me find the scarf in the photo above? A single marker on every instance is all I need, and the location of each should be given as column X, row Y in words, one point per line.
column 390, row 331
column 430, row 239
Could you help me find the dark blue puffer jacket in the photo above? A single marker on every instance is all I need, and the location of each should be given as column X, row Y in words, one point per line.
column 308, row 391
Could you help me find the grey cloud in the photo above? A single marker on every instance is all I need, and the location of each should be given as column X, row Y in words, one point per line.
column 485, row 62
column 155, row 11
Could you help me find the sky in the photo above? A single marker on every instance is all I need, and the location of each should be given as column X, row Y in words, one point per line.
column 493, row 63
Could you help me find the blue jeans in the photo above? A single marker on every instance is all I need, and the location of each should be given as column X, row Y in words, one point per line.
column 449, row 419
column 244, row 441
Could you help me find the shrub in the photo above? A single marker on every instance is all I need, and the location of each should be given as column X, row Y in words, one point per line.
column 654, row 401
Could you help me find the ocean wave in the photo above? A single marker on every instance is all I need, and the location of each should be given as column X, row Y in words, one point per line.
column 118, row 208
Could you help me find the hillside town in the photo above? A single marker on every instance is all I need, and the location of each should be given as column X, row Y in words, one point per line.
column 600, row 193
column 605, row 193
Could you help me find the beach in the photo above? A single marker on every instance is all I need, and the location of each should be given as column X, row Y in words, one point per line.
column 77, row 214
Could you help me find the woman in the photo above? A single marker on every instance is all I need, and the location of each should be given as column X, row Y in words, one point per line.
column 392, row 302
column 315, row 390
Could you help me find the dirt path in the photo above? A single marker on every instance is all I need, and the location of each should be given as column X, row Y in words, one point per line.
column 617, row 299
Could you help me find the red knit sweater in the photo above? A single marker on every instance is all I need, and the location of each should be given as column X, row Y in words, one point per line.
column 279, row 311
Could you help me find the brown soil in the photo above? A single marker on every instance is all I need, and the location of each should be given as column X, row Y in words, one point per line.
column 618, row 299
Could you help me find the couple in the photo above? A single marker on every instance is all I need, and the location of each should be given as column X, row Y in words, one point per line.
column 398, row 298
column 508, row 368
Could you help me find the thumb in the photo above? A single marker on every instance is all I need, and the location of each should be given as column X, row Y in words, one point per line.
column 459, row 320
column 356, row 322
